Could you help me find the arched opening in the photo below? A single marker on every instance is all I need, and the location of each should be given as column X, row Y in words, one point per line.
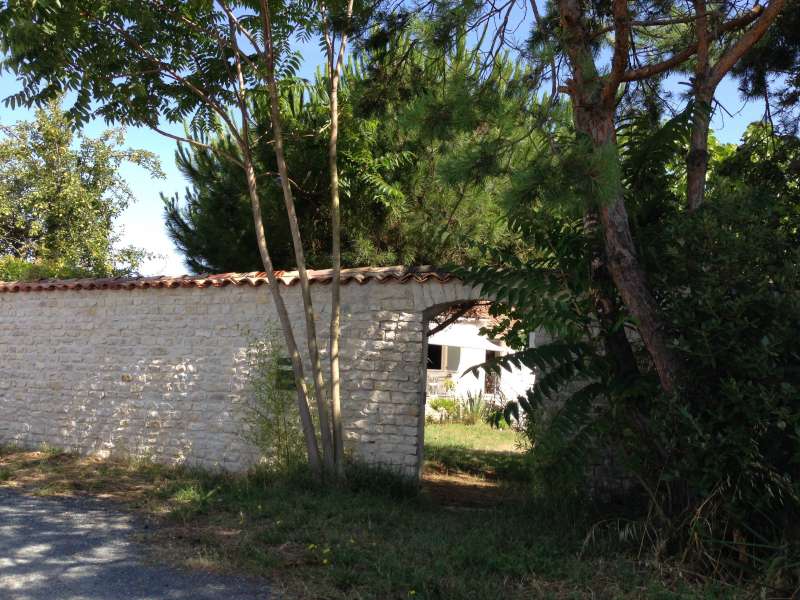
column 461, row 458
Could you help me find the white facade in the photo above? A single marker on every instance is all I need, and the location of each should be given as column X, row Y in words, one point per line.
column 458, row 348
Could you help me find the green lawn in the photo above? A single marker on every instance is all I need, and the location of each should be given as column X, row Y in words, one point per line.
column 369, row 540
column 475, row 449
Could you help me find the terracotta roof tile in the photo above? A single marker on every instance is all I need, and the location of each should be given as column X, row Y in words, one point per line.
column 255, row 278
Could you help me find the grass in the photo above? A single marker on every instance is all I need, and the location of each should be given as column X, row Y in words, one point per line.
column 478, row 450
column 336, row 543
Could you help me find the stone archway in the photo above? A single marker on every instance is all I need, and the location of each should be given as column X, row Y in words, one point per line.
column 429, row 314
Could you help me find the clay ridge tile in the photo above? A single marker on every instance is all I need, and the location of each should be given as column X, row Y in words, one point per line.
column 254, row 279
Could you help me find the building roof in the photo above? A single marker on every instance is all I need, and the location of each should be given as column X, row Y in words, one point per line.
column 473, row 310
column 253, row 279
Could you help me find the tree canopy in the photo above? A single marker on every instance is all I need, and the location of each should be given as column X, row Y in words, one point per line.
column 414, row 183
column 60, row 196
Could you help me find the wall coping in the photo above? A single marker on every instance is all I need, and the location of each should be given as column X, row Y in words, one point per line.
column 361, row 275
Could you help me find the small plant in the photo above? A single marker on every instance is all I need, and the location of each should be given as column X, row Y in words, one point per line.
column 448, row 407
column 473, row 408
column 273, row 419
column 493, row 414
column 49, row 450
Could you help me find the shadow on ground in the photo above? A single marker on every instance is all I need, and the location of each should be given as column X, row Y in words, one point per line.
column 79, row 548
column 489, row 464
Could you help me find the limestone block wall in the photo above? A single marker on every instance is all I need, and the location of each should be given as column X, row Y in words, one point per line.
column 163, row 373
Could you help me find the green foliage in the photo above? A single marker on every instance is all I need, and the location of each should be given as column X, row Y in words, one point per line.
column 60, row 194
column 473, row 408
column 771, row 70
column 447, row 406
column 273, row 420
column 18, row 269
column 716, row 465
column 377, row 480
column 413, row 192
column 729, row 281
column 125, row 62
column 213, row 225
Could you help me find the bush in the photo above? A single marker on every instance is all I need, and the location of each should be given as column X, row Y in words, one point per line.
column 273, row 420
column 714, row 467
column 729, row 282
column 473, row 408
column 447, row 406
column 469, row 410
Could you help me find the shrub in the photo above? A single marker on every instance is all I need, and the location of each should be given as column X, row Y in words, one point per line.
column 447, row 406
column 473, row 408
column 273, row 420
column 717, row 462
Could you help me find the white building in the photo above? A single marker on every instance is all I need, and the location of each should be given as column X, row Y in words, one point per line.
column 460, row 346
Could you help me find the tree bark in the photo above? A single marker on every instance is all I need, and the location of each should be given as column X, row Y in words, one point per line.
column 598, row 123
column 308, row 307
column 306, row 422
column 697, row 158
column 594, row 104
column 629, row 278
column 334, row 73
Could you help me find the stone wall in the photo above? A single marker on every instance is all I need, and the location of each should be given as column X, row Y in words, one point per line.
column 162, row 373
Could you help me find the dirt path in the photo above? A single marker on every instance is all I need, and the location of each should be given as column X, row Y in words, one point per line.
column 465, row 490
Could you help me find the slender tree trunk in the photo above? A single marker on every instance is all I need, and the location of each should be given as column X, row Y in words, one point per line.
column 307, row 423
column 336, row 258
column 706, row 80
column 334, row 73
column 308, row 307
column 697, row 158
column 309, row 434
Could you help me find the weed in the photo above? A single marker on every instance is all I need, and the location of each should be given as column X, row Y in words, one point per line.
column 50, row 451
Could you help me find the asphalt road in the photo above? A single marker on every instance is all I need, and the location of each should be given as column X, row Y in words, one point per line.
column 81, row 549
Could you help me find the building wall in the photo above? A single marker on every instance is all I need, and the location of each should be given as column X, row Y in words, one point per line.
column 163, row 373
column 463, row 335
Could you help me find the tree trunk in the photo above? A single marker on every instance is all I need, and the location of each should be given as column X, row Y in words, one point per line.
column 697, row 159
column 623, row 264
column 312, row 449
column 307, row 423
column 308, row 308
column 706, row 80
column 336, row 258
column 334, row 74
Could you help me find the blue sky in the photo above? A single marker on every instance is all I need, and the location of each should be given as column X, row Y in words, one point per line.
column 142, row 224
